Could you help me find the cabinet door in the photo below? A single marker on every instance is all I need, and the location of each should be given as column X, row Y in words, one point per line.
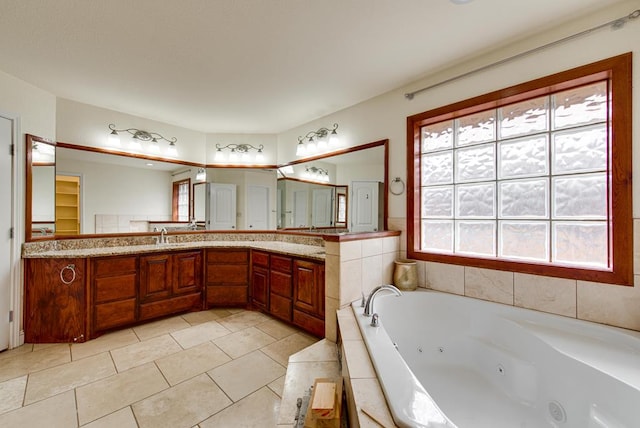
column 155, row 277
column 187, row 272
column 259, row 286
column 55, row 301
column 306, row 286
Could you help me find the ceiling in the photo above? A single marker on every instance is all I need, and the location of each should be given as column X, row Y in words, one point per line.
column 252, row 66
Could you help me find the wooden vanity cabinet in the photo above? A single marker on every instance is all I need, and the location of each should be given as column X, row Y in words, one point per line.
column 227, row 277
column 55, row 300
column 280, row 290
column 308, row 296
column 260, row 279
column 114, row 287
column 170, row 283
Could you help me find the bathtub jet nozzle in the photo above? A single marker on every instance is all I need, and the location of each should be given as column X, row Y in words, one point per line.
column 368, row 307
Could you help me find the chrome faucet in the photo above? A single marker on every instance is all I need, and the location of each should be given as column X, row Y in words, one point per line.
column 163, row 236
column 368, row 307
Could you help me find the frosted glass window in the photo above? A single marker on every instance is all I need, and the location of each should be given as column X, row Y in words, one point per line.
column 437, row 236
column 580, row 106
column 524, row 198
column 476, row 237
column 580, row 196
column 437, row 136
column 476, row 128
column 525, row 157
column 580, row 150
column 437, row 168
column 475, row 201
column 524, row 240
column 584, row 243
column 475, row 163
column 523, row 118
column 437, row 202
column 527, row 181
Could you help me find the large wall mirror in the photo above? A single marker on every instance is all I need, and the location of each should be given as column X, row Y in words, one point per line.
column 77, row 190
column 344, row 191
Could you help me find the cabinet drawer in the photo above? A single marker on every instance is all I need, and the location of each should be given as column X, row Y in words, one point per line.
column 227, row 256
column 280, row 283
column 259, row 258
column 115, row 314
column 227, row 274
column 115, row 287
column 114, row 265
column 280, row 307
column 227, row 296
column 281, row 263
column 170, row 306
column 311, row 324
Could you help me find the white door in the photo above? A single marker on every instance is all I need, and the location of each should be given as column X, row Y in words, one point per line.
column 258, row 207
column 364, row 212
column 321, row 207
column 221, row 206
column 6, row 207
column 300, row 208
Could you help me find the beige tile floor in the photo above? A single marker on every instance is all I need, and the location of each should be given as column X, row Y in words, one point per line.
column 217, row 368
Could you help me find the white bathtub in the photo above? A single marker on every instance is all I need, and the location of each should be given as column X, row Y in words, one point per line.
column 467, row 363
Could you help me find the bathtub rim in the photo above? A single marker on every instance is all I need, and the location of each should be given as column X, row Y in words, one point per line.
column 398, row 389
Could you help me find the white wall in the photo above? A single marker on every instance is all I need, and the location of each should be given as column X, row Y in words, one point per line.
column 385, row 117
column 113, row 189
column 34, row 112
column 87, row 125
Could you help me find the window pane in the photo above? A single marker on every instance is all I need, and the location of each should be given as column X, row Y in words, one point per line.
column 580, row 150
column 476, row 237
column 581, row 196
column 524, row 240
column 437, row 136
column 524, row 198
column 584, row 243
column 437, row 169
column 523, row 158
column 475, row 201
column 580, row 106
column 477, row 128
column 437, row 236
column 437, row 202
column 527, row 117
column 475, row 163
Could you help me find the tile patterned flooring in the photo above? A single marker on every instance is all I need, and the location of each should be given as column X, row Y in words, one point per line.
column 217, row 368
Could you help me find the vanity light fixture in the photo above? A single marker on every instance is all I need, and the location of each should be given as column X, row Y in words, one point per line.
column 239, row 153
column 201, row 175
column 316, row 174
column 322, row 140
column 138, row 136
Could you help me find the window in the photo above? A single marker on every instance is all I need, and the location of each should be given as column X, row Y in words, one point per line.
column 534, row 178
column 181, row 198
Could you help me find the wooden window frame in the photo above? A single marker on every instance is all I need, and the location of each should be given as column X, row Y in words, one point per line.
column 175, row 198
column 618, row 72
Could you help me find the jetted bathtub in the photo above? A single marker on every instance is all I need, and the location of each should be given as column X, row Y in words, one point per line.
column 450, row 361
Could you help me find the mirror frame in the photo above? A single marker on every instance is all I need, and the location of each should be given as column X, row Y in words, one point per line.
column 30, row 139
column 28, row 186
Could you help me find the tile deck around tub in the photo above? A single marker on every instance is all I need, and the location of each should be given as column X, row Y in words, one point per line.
column 214, row 368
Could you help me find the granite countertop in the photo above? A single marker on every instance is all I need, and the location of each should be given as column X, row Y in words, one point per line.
column 309, row 251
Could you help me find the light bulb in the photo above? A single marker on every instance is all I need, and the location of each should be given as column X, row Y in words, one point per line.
column 113, row 139
column 334, row 140
column 245, row 157
column 259, row 157
column 135, row 144
column 153, row 147
column 311, row 146
column 233, row 157
column 322, row 144
column 219, row 156
column 301, row 150
column 172, row 150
